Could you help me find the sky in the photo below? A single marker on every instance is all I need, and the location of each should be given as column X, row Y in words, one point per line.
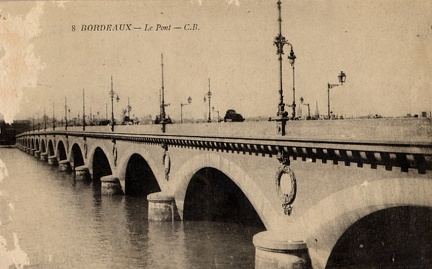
column 384, row 47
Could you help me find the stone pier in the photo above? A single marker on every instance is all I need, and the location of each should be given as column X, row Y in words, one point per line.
column 162, row 207
column 81, row 172
column 44, row 157
column 110, row 185
column 64, row 166
column 52, row 160
column 273, row 251
column 37, row 154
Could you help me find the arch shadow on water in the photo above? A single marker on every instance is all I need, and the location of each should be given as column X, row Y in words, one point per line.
column 140, row 179
column 213, row 196
column 398, row 237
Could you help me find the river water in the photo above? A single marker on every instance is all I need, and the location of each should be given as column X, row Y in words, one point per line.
column 49, row 220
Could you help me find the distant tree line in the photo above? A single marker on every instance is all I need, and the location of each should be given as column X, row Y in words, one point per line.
column 9, row 131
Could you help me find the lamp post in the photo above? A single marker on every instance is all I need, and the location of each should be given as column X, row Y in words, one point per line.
column 45, row 118
column 53, row 119
column 162, row 117
column 66, row 117
column 280, row 42
column 181, row 108
column 84, row 115
column 208, row 94
column 342, row 79
column 128, row 109
column 112, row 93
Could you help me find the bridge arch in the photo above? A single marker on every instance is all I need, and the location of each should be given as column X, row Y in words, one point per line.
column 43, row 147
column 61, row 151
column 32, row 143
column 396, row 237
column 139, row 178
column 141, row 151
column 76, row 156
column 267, row 213
column 211, row 195
column 50, row 148
column 342, row 209
column 37, row 144
column 99, row 164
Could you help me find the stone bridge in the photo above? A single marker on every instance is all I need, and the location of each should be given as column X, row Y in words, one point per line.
column 308, row 188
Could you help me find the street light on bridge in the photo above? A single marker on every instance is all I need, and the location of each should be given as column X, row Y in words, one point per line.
column 84, row 115
column 342, row 79
column 112, row 93
column 163, row 119
column 53, row 119
column 208, row 94
column 45, row 118
column 128, row 110
column 280, row 42
column 66, row 117
column 181, row 108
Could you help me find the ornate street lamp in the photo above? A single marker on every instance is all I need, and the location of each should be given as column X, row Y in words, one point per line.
column 181, row 108
column 84, row 115
column 53, row 119
column 280, row 42
column 128, row 109
column 66, row 117
column 45, row 118
column 208, row 94
column 112, row 93
column 342, row 79
column 162, row 117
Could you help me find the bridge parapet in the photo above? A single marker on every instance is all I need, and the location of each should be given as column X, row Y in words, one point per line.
column 403, row 154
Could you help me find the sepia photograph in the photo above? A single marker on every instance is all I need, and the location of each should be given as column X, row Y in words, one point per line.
column 216, row 134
